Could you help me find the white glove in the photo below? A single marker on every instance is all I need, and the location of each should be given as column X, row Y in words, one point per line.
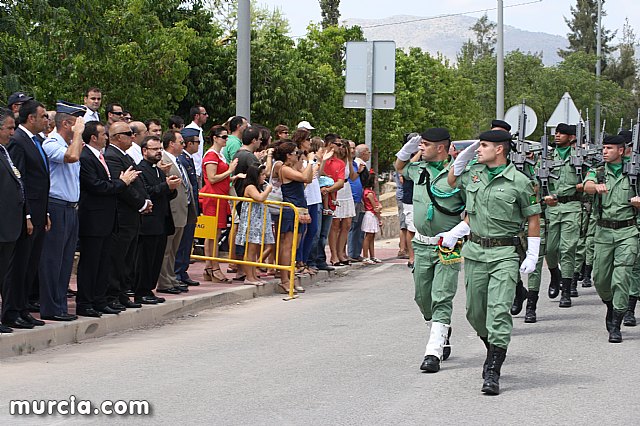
column 409, row 148
column 533, row 250
column 464, row 157
column 450, row 238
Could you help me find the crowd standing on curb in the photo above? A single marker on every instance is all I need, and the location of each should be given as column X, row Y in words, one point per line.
column 125, row 195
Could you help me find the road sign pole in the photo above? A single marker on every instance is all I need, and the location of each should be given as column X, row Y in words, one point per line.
column 368, row 120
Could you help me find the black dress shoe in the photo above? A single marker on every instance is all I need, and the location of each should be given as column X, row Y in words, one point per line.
column 172, row 290
column 30, row 319
column 89, row 312
column 108, row 310
column 33, row 307
column 18, row 323
column 326, row 268
column 5, row 329
column 130, row 293
column 189, row 281
column 160, row 299
column 71, row 293
column 117, row 306
column 129, row 304
column 146, row 300
column 61, row 317
column 183, row 288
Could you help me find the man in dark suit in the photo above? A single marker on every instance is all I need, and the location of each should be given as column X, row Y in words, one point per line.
column 132, row 203
column 155, row 225
column 12, row 195
column 98, row 220
column 28, row 156
column 191, row 143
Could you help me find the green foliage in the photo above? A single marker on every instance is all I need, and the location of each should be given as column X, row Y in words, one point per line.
column 330, row 10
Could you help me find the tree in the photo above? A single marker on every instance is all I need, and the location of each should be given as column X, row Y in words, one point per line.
column 624, row 69
column 330, row 13
column 584, row 31
column 484, row 44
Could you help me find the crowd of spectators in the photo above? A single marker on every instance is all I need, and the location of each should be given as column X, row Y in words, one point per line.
column 125, row 195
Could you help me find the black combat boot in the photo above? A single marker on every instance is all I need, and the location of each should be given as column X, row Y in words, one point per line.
column 615, row 336
column 446, row 352
column 630, row 316
column 532, row 302
column 486, row 360
column 586, row 279
column 608, row 320
column 554, row 284
column 518, row 300
column 581, row 273
column 491, row 385
column 565, row 297
column 574, row 284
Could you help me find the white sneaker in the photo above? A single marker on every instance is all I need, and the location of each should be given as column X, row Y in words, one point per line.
column 376, row 260
column 367, row 261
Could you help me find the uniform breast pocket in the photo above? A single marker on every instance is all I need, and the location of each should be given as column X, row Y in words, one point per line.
column 503, row 206
column 472, row 195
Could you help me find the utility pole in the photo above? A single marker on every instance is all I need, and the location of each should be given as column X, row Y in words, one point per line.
column 598, row 71
column 243, row 57
column 500, row 64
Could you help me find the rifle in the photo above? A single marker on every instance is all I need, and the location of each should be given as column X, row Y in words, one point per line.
column 545, row 171
column 632, row 167
column 520, row 156
column 621, row 128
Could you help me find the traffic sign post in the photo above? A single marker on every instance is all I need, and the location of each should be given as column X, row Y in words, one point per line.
column 370, row 80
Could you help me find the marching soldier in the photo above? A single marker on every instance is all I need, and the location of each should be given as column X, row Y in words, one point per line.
column 616, row 234
column 499, row 200
column 563, row 213
column 437, row 209
column 629, row 319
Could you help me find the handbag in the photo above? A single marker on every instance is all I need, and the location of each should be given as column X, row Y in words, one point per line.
column 275, row 194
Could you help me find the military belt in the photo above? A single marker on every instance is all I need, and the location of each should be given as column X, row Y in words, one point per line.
column 616, row 224
column 489, row 242
column 569, row 198
column 432, row 241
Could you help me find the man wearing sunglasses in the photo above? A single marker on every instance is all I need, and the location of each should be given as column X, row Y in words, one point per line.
column 199, row 117
column 114, row 114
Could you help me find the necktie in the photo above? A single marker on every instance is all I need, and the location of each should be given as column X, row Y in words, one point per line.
column 16, row 172
column 40, row 150
column 104, row 164
column 183, row 174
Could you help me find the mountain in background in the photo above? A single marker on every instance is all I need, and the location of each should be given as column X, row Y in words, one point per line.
column 446, row 36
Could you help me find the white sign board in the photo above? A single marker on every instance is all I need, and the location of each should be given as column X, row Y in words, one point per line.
column 384, row 66
column 359, row 100
column 566, row 112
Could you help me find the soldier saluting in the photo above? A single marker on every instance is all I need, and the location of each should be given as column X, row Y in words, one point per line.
column 616, row 233
column 499, row 199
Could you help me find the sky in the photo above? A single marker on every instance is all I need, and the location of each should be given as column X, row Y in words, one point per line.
column 539, row 16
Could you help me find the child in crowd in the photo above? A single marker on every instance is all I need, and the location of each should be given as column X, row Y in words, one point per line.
column 252, row 226
column 371, row 222
column 324, row 182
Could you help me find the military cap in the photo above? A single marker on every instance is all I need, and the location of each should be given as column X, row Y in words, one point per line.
column 502, row 124
column 613, row 140
column 64, row 107
column 626, row 135
column 18, row 97
column 565, row 129
column 495, row 136
column 189, row 132
column 572, row 129
column 436, row 134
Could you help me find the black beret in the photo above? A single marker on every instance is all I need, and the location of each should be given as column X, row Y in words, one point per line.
column 565, row 129
column 436, row 134
column 71, row 109
column 613, row 140
column 626, row 135
column 572, row 129
column 502, row 124
column 495, row 136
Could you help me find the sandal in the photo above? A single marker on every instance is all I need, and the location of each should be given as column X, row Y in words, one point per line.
column 207, row 275
column 256, row 283
column 231, row 270
column 218, row 276
column 240, row 278
column 280, row 288
column 299, row 289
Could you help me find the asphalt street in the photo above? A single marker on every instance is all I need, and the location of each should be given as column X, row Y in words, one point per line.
column 346, row 352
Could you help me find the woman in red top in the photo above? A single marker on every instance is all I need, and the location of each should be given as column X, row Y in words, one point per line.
column 216, row 175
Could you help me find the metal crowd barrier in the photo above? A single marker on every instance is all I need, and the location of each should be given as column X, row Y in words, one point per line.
column 207, row 227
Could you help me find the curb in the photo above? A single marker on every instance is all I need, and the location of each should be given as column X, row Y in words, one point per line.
column 22, row 342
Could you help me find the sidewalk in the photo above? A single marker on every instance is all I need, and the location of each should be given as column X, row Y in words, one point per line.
column 205, row 296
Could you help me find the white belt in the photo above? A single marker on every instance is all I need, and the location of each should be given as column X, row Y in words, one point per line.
column 432, row 241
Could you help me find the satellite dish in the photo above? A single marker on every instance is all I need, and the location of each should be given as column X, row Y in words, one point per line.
column 513, row 116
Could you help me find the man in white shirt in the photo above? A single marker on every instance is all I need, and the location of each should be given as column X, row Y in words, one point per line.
column 92, row 100
column 199, row 117
column 139, row 132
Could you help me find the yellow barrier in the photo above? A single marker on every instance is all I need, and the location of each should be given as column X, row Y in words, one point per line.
column 207, row 227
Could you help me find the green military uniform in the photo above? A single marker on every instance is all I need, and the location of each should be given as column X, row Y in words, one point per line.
column 435, row 282
column 534, row 278
column 563, row 230
column 615, row 249
column 497, row 208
